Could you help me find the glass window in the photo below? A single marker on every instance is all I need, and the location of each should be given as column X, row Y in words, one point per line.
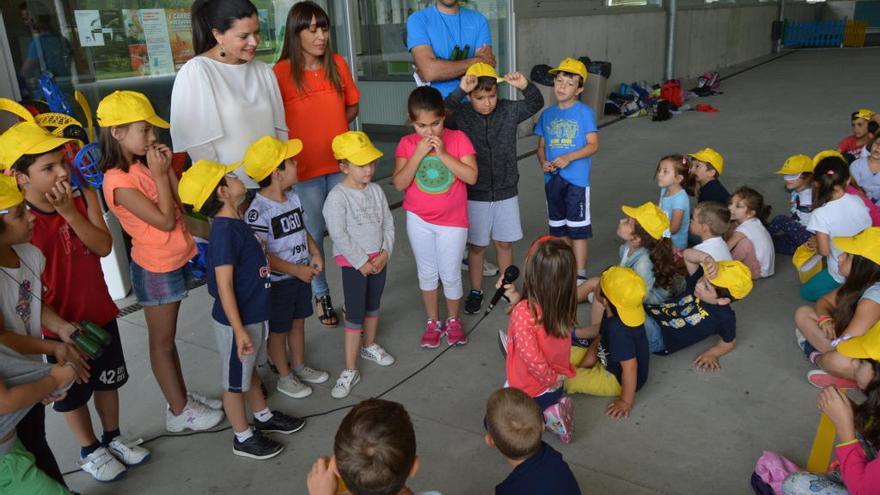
column 633, row 3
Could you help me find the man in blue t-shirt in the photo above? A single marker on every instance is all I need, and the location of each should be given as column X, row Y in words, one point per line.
column 445, row 39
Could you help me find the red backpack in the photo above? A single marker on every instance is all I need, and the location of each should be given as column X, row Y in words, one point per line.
column 671, row 92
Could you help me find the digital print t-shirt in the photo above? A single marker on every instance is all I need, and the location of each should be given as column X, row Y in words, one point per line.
column 565, row 130
column 281, row 228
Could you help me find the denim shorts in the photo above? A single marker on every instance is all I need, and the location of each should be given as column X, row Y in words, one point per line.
column 154, row 289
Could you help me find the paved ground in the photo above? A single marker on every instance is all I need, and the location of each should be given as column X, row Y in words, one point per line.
column 690, row 432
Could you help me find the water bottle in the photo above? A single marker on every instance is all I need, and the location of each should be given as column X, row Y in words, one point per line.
column 97, row 333
column 87, row 345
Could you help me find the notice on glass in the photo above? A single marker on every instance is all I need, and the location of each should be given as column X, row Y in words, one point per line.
column 155, row 28
column 88, row 26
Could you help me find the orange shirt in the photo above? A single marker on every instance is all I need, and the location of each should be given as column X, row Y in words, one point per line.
column 316, row 114
column 153, row 249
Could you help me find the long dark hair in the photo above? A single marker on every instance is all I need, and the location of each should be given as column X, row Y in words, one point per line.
column 829, row 173
column 867, row 414
column 550, row 282
column 298, row 19
column 208, row 15
column 112, row 155
column 660, row 252
column 863, row 274
column 754, row 201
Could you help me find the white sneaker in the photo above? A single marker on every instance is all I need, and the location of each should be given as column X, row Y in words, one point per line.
column 489, row 269
column 347, row 380
column 128, row 451
column 310, row 375
column 377, row 354
column 290, row 386
column 205, row 401
column 103, row 466
column 195, row 416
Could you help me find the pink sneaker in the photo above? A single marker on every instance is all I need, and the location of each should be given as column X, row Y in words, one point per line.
column 559, row 418
column 822, row 379
column 454, row 334
column 433, row 332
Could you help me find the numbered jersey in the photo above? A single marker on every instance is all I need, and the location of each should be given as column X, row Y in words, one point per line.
column 281, row 228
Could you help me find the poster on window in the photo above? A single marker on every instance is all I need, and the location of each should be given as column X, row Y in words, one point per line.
column 158, row 44
column 180, row 34
column 88, row 26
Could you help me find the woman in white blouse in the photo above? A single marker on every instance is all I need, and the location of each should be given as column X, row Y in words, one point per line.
column 223, row 100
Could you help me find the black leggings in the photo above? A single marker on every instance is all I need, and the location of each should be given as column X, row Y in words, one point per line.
column 31, row 430
column 362, row 296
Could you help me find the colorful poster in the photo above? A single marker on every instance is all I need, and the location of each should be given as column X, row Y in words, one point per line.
column 88, row 26
column 180, row 34
column 156, row 37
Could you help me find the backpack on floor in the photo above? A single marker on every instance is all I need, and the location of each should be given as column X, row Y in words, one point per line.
column 708, row 84
column 660, row 111
column 671, row 92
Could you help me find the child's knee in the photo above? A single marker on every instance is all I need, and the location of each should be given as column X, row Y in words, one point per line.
column 804, row 313
column 504, row 246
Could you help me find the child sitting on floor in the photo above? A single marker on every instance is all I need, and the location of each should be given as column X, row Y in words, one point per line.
column 706, row 167
column 710, row 221
column 860, row 136
column 790, row 231
column 673, row 178
column 749, row 241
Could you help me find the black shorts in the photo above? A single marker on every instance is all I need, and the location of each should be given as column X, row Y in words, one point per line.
column 108, row 372
column 291, row 300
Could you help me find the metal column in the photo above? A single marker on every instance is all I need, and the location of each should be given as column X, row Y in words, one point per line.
column 671, row 14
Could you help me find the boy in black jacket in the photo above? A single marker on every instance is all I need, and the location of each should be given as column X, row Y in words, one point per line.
column 493, row 205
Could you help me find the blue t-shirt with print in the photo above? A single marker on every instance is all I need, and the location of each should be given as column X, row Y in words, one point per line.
column 566, row 130
column 233, row 243
column 443, row 32
column 678, row 201
column 623, row 343
column 689, row 320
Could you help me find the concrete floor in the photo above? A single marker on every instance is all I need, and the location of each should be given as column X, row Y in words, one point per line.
column 690, row 432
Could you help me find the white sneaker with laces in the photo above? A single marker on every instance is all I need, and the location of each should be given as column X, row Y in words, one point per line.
column 103, row 466
column 291, row 386
column 206, row 401
column 128, row 451
column 310, row 375
column 195, row 416
column 347, row 380
column 489, row 269
column 377, row 354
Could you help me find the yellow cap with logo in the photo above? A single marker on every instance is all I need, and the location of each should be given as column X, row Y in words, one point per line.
column 826, row 154
column 864, row 113
column 735, row 277
column 200, row 180
column 26, row 138
column 712, row 157
column 796, row 165
column 626, row 291
column 481, row 69
column 650, row 217
column 865, row 244
column 355, row 147
column 866, row 346
column 10, row 194
column 572, row 66
column 265, row 154
column 125, row 107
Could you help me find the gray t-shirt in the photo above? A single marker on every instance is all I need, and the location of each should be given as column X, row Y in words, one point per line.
column 281, row 228
column 359, row 222
column 16, row 369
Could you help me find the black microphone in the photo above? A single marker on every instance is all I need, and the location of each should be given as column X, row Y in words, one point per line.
column 510, row 274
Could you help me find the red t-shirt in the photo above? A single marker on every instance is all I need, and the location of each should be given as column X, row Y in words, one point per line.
column 534, row 358
column 315, row 114
column 849, row 144
column 435, row 194
column 73, row 282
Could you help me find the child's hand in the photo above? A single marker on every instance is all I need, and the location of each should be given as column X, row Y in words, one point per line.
column 548, row 167
column 423, row 147
column 243, row 344
column 68, row 353
column 517, row 80
column 707, row 361
column 379, row 262
column 66, row 332
column 811, row 243
column 710, row 267
column 484, row 53
column 561, row 161
column 158, row 160
column 317, row 265
column 436, row 145
column 367, row 269
column 838, row 407
column 321, row 479
column 468, row 83
column 61, row 198
column 618, row 409
column 64, row 376
column 509, row 291
column 827, row 328
column 303, row 272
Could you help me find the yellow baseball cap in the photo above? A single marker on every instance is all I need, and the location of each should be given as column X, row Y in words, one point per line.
column 572, row 66
column 866, row 346
column 10, row 194
column 796, row 165
column 864, row 113
column 866, row 244
column 26, row 138
column 650, row 217
column 735, row 277
column 265, row 154
column 125, row 107
column 626, row 291
column 712, row 157
column 825, row 154
column 200, row 180
column 480, row 69
column 355, row 147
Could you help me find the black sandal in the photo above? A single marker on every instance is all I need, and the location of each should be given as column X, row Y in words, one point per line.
column 326, row 313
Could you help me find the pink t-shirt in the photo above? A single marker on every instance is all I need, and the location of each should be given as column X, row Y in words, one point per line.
column 436, row 195
column 153, row 249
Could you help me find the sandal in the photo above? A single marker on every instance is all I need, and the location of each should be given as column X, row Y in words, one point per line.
column 326, row 313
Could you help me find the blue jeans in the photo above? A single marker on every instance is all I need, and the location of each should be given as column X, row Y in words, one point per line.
column 312, row 194
column 655, row 336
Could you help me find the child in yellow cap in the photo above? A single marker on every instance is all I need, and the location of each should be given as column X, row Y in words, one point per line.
column 704, row 309
column 706, row 167
column 276, row 217
column 865, row 170
column 860, row 135
column 24, row 314
column 140, row 188
column 567, row 140
column 621, row 291
column 790, row 231
column 238, row 280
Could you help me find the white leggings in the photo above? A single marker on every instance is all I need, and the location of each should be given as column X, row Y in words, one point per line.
column 437, row 249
